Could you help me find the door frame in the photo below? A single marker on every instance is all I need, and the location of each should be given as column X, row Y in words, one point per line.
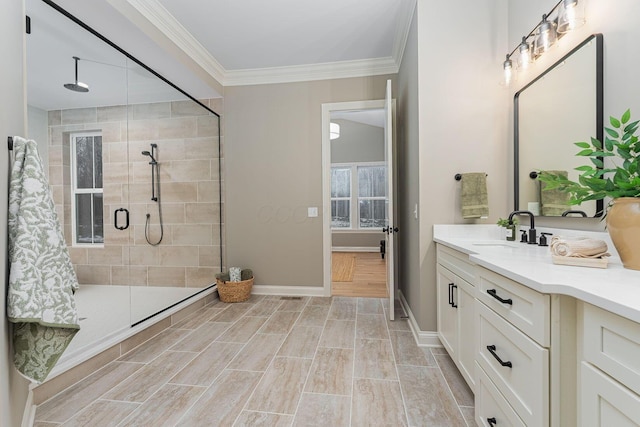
column 327, row 109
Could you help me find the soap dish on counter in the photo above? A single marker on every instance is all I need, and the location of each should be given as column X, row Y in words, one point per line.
column 580, row 262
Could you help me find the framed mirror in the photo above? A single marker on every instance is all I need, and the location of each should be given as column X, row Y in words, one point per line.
column 562, row 106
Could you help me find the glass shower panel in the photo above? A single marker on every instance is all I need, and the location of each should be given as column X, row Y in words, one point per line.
column 82, row 138
column 174, row 194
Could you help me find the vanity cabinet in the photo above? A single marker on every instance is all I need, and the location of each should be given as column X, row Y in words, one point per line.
column 513, row 348
column 456, row 310
column 609, row 369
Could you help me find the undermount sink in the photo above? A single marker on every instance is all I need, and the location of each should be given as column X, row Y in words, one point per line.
column 495, row 243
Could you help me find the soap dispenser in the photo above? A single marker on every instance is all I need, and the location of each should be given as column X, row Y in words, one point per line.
column 511, row 231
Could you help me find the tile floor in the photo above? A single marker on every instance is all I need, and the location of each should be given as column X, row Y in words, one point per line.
column 273, row 362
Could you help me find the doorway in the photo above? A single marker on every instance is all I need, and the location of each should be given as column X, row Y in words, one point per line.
column 358, row 198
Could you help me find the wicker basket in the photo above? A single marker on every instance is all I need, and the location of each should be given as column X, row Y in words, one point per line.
column 234, row 291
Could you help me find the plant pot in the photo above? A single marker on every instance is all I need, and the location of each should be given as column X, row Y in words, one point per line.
column 623, row 224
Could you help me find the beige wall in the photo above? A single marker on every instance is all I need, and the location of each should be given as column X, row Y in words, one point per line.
column 187, row 138
column 462, row 127
column 13, row 387
column 358, row 142
column 273, row 144
column 408, row 173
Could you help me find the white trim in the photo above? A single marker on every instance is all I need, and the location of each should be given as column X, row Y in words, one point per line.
column 150, row 15
column 423, row 338
column 355, row 249
column 400, row 42
column 303, row 73
column 326, row 178
column 29, row 414
column 158, row 16
column 295, row 291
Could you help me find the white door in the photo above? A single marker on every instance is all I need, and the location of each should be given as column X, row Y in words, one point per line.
column 390, row 229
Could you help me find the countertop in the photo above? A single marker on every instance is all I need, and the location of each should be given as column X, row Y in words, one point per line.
column 614, row 289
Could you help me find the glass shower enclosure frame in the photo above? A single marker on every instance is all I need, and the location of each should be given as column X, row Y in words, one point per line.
column 134, row 167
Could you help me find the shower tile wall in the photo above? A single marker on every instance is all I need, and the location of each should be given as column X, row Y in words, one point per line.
column 187, row 138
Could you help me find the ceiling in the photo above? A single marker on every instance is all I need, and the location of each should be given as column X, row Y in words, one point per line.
column 204, row 45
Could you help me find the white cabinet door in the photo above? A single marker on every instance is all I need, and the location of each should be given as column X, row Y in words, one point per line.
column 605, row 402
column 447, row 311
column 466, row 331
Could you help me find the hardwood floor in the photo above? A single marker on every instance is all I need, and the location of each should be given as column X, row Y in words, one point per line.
column 369, row 278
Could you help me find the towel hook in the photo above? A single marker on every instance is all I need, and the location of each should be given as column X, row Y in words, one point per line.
column 533, row 175
column 458, row 176
column 10, row 143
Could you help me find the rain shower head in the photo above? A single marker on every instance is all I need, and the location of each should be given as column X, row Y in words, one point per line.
column 78, row 86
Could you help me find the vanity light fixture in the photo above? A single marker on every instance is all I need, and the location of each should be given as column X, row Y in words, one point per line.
column 509, row 72
column 546, row 36
column 570, row 15
column 525, row 58
column 566, row 15
column 334, row 130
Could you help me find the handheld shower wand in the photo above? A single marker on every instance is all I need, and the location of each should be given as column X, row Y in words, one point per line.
column 155, row 193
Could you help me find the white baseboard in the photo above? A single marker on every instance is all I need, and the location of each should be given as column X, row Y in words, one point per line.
column 355, row 249
column 29, row 414
column 294, row 291
column 423, row 338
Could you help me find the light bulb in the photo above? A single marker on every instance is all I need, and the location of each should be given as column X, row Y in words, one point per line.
column 546, row 36
column 570, row 15
column 524, row 54
column 509, row 72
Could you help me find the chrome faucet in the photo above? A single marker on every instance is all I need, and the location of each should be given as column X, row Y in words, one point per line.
column 532, row 228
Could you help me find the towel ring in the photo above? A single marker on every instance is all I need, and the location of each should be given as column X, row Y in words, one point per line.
column 458, row 176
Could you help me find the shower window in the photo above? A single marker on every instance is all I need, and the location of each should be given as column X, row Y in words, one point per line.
column 87, row 209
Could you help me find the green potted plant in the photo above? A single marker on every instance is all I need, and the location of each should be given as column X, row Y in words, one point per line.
column 511, row 227
column 613, row 172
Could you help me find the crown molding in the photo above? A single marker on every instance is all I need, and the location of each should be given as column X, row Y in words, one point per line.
column 160, row 18
column 402, row 31
column 302, row 73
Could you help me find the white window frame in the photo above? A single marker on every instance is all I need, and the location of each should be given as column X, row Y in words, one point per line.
column 355, row 197
column 75, row 190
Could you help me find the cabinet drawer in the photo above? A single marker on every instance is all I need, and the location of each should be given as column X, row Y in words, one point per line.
column 525, row 383
column 490, row 404
column 523, row 307
column 606, row 403
column 458, row 263
column 612, row 343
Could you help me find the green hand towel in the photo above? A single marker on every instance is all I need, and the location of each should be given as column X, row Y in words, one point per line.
column 553, row 202
column 474, row 197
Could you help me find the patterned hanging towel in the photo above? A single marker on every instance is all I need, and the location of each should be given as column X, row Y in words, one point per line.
column 42, row 281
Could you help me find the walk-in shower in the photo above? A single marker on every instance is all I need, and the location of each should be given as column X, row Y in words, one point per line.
column 155, row 195
column 151, row 133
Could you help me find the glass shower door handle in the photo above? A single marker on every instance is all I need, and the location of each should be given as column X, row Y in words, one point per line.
column 115, row 216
